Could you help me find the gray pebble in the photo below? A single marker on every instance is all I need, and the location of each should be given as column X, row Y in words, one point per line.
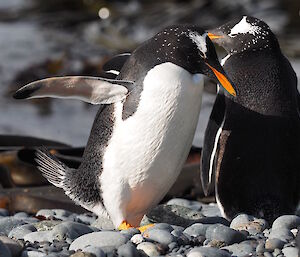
column 244, row 248
column 128, row 250
column 97, row 251
column 283, row 234
column 137, row 239
column 172, row 245
column 273, row 243
column 194, row 205
column 103, row 223
column 286, row 221
column 249, row 223
column 177, row 232
column 224, row 234
column 163, row 226
column 207, row 252
column 211, row 210
column 290, row 252
column 85, row 219
column 54, row 213
column 14, row 247
column 70, row 230
column 130, row 232
column 46, row 225
column 27, row 253
column 148, row 248
column 277, row 252
column 20, row 232
column 260, row 248
column 9, row 223
column 161, row 236
column 196, row 229
column 4, row 250
column 21, row 215
column 109, row 239
column 268, row 254
column 3, row 212
column 38, row 236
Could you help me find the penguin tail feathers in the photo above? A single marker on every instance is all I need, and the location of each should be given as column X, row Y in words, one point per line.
column 52, row 169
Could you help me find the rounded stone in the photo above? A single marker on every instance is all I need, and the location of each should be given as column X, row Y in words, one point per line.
column 148, row 248
column 38, row 236
column 20, row 232
column 103, row 223
column 110, row 239
column 128, row 250
column 54, row 213
column 137, row 239
column 214, row 220
column 28, row 253
column 82, row 254
column 9, row 223
column 224, row 234
column 194, row 205
column 3, row 212
column 273, row 243
column 163, row 226
column 290, row 252
column 244, row 248
column 283, row 234
column 268, row 254
column 211, row 210
column 21, row 215
column 46, row 225
column 197, row 229
column 14, row 247
column 97, row 251
column 207, row 252
column 71, row 230
column 161, row 236
column 85, row 219
column 286, row 221
column 130, row 232
column 249, row 223
column 4, row 250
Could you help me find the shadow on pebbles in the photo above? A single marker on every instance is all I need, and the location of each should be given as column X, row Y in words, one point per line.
column 182, row 228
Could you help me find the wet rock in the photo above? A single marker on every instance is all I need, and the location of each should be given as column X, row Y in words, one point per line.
column 128, row 250
column 290, row 252
column 161, row 236
column 108, row 239
column 14, row 247
column 97, row 251
column 283, row 234
column 20, row 232
column 103, row 223
column 249, row 223
column 4, row 250
column 173, row 215
column 286, row 221
column 224, row 234
column 9, row 223
column 194, row 205
column 196, row 229
column 207, row 252
column 273, row 243
column 148, row 248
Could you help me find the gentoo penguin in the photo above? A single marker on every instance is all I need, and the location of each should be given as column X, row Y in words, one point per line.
column 252, row 141
column 142, row 136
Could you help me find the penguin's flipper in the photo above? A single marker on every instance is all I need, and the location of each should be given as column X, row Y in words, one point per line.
column 210, row 146
column 93, row 90
column 115, row 64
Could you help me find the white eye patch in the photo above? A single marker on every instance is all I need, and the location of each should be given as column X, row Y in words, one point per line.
column 200, row 41
column 244, row 27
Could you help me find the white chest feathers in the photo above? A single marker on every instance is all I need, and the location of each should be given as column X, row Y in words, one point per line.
column 147, row 150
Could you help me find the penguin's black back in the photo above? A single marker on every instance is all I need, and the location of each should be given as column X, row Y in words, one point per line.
column 258, row 156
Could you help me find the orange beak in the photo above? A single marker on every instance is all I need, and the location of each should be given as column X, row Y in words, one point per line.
column 213, row 36
column 223, row 80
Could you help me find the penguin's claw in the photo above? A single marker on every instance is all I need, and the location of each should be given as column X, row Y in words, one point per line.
column 125, row 225
column 144, row 228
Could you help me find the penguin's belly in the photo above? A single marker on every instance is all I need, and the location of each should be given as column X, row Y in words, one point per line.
column 146, row 151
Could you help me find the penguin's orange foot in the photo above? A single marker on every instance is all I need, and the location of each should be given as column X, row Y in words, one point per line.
column 144, row 228
column 124, row 225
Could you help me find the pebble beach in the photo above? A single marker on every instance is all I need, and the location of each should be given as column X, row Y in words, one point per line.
column 181, row 228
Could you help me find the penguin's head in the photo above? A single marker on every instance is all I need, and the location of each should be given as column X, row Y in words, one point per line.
column 244, row 34
column 189, row 47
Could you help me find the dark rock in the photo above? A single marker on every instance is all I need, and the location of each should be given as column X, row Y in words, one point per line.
column 273, row 243
column 4, row 250
column 207, row 252
column 128, row 250
column 9, row 223
column 286, row 221
column 283, row 234
column 14, row 246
